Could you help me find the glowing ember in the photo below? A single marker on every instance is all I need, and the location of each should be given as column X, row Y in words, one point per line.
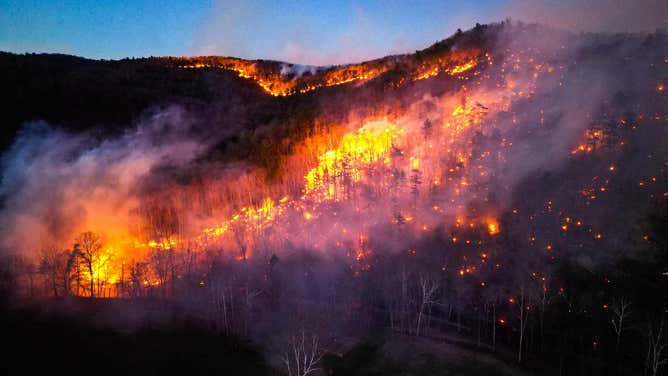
column 493, row 227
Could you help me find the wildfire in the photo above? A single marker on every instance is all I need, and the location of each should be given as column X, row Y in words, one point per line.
column 493, row 227
column 275, row 83
column 426, row 169
column 356, row 153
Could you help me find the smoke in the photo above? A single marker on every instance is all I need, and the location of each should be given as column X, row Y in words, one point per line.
column 56, row 184
column 453, row 164
column 544, row 150
column 347, row 33
column 593, row 15
column 315, row 34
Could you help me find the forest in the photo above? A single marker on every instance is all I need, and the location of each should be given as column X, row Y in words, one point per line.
column 493, row 204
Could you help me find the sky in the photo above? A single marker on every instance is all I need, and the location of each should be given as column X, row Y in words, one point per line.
column 307, row 32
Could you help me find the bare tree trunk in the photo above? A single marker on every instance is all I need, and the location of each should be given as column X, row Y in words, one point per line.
column 656, row 346
column 78, row 278
column 31, row 279
column 459, row 317
column 478, row 326
column 620, row 310
column 92, row 280
column 122, row 281
column 419, row 320
column 542, row 319
column 404, row 300
column 493, row 327
column 391, row 319
column 428, row 288
column 302, row 356
column 523, row 320
column 226, row 322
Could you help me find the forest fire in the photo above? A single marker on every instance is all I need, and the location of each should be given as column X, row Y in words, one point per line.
column 276, row 83
column 371, row 157
column 472, row 187
column 493, row 227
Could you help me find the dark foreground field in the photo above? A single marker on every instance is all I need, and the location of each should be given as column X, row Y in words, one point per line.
column 53, row 345
column 51, row 342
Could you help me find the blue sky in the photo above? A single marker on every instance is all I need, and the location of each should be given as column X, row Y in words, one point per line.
column 313, row 32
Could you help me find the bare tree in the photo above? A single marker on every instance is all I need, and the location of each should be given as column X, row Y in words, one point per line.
column 161, row 264
column 220, row 302
column 72, row 267
column 138, row 278
column 29, row 269
column 523, row 308
column 239, row 231
column 656, row 346
column 620, row 314
column 428, row 289
column 161, row 225
column 302, row 356
column 89, row 246
column 543, row 295
column 53, row 265
column 404, row 301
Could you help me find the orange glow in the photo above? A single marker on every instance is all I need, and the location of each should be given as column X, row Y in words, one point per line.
column 434, row 171
column 493, row 227
column 359, row 150
column 415, row 163
column 274, row 83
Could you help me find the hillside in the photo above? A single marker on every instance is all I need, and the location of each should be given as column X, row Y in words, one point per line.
column 503, row 190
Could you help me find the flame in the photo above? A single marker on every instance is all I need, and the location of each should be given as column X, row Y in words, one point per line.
column 274, row 83
column 493, row 227
column 335, row 166
column 438, row 66
column 355, row 154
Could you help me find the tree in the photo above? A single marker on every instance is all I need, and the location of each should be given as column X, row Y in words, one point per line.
column 89, row 246
column 53, row 265
column 161, row 224
column 523, row 307
column 138, row 277
column 428, row 289
column 221, row 301
column 656, row 345
column 620, row 313
column 542, row 294
column 302, row 356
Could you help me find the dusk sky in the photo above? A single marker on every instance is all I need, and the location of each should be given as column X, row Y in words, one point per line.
column 310, row 32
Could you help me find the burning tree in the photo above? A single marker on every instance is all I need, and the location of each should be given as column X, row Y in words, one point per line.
column 88, row 248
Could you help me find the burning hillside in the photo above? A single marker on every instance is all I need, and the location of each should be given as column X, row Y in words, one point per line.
column 450, row 183
column 277, row 79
